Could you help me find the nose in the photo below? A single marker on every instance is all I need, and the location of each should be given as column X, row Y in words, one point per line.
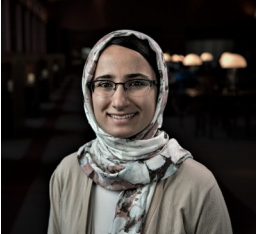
column 120, row 99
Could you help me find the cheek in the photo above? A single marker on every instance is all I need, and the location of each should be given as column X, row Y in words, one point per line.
column 154, row 101
column 96, row 105
column 97, row 102
column 154, row 98
column 93, row 104
column 152, row 109
column 99, row 105
column 150, row 106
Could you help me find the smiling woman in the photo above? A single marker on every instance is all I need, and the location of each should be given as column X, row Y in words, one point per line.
column 123, row 114
column 132, row 178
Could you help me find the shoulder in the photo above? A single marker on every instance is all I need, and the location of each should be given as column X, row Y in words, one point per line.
column 190, row 188
column 69, row 169
column 193, row 176
column 69, row 161
column 196, row 171
column 196, row 202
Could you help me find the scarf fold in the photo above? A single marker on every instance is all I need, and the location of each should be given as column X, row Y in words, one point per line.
column 132, row 166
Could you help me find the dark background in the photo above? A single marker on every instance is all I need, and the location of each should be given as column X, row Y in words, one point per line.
column 42, row 104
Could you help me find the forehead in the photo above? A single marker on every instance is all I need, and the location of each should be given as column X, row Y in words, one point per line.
column 117, row 58
column 119, row 52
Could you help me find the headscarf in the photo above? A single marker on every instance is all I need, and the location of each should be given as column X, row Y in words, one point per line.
column 132, row 166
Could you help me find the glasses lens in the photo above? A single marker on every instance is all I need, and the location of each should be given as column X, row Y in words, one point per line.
column 137, row 87
column 103, row 88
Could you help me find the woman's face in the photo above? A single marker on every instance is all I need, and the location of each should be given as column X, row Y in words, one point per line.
column 122, row 115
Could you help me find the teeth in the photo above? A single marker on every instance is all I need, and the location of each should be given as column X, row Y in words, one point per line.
column 122, row 116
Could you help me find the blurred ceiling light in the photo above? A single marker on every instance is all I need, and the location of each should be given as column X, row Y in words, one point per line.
column 206, row 57
column 176, row 58
column 31, row 78
column 230, row 60
column 166, row 57
column 55, row 67
column 10, row 86
column 192, row 60
column 44, row 73
column 192, row 92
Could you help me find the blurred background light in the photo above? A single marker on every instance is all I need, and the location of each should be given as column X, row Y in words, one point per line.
column 85, row 52
column 31, row 78
column 44, row 73
column 55, row 68
column 176, row 58
column 230, row 60
column 206, row 57
column 10, row 86
column 192, row 60
column 166, row 57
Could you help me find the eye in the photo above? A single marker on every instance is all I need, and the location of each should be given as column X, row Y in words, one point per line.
column 137, row 83
column 103, row 84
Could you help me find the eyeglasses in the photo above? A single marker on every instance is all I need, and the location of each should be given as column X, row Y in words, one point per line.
column 106, row 88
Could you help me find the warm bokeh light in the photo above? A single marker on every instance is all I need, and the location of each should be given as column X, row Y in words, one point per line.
column 166, row 57
column 230, row 60
column 206, row 57
column 176, row 58
column 31, row 78
column 192, row 60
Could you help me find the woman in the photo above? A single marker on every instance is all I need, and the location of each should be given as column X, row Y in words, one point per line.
column 132, row 178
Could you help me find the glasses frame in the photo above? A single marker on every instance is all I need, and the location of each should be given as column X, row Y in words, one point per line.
column 90, row 86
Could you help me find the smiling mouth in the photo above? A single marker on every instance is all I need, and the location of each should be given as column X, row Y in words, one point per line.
column 121, row 116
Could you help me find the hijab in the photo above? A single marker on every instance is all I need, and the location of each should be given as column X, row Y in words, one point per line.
column 131, row 166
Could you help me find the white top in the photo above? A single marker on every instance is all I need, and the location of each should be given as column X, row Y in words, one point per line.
column 104, row 204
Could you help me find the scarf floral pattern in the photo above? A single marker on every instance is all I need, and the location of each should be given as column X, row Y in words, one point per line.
column 132, row 166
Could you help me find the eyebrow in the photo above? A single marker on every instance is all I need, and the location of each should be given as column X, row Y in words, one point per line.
column 129, row 76
column 107, row 76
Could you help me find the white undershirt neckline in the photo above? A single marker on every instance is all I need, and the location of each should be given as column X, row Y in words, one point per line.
column 103, row 208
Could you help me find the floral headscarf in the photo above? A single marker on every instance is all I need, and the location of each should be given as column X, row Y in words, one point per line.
column 132, row 166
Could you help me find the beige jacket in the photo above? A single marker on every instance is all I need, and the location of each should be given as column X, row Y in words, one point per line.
column 188, row 202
